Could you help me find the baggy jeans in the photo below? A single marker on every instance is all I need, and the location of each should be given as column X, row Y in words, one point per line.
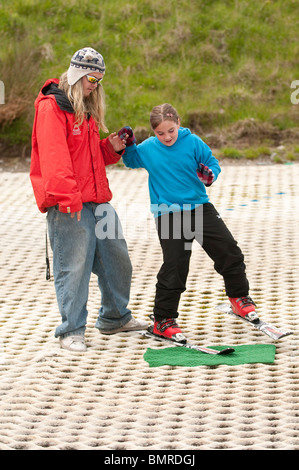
column 215, row 239
column 79, row 249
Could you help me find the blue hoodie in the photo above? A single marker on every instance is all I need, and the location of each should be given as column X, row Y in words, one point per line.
column 173, row 181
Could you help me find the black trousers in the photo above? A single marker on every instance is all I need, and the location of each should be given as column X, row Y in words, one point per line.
column 177, row 231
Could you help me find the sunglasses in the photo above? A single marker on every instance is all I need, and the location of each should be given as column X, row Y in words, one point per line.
column 92, row 79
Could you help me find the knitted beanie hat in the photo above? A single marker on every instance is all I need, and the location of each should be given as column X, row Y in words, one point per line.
column 83, row 62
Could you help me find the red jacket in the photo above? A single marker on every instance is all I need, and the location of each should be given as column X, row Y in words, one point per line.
column 67, row 161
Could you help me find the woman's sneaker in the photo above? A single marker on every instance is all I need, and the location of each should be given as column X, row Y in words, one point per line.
column 169, row 329
column 132, row 325
column 73, row 343
column 244, row 307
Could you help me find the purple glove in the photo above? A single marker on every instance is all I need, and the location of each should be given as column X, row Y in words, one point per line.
column 127, row 130
column 205, row 175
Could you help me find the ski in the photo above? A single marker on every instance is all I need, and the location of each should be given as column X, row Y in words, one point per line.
column 149, row 333
column 266, row 328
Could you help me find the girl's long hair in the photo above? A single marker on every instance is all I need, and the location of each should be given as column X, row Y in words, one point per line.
column 94, row 104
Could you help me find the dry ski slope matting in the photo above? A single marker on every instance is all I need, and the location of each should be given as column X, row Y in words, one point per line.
column 109, row 398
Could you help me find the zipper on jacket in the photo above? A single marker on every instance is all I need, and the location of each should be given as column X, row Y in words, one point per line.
column 94, row 175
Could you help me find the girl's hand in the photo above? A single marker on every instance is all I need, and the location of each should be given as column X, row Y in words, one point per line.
column 127, row 134
column 205, row 175
column 117, row 143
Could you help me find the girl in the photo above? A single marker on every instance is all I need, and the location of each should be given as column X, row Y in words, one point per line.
column 70, row 184
column 180, row 165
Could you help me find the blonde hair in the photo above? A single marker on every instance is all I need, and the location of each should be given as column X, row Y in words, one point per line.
column 163, row 112
column 94, row 104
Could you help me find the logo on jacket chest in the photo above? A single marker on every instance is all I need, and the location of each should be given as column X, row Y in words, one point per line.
column 76, row 130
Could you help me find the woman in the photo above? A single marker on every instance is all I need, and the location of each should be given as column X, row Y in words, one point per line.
column 70, row 184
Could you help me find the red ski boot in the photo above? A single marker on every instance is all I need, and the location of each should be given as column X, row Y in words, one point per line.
column 245, row 308
column 168, row 329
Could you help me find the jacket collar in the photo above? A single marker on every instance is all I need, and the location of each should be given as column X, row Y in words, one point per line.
column 60, row 97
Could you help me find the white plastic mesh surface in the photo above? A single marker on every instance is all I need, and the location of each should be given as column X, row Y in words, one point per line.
column 109, row 397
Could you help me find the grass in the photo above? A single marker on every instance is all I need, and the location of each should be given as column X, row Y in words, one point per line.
column 282, row 154
column 218, row 62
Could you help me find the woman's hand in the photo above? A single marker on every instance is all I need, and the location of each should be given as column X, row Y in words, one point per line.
column 117, row 143
column 73, row 214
